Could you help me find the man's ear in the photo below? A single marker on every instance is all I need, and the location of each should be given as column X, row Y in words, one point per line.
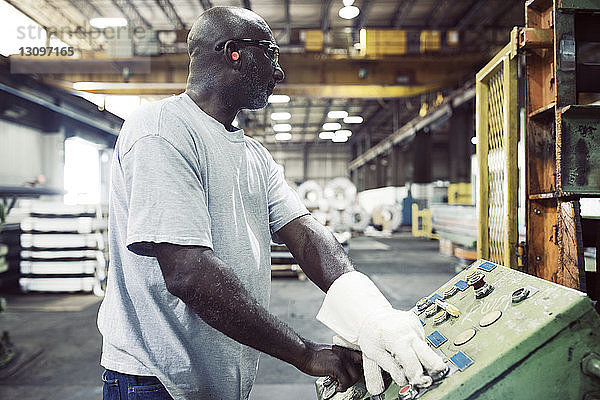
column 233, row 55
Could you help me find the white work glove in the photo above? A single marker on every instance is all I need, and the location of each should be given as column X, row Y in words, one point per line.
column 390, row 339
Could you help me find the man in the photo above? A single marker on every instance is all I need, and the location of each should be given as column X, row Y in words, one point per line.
column 194, row 205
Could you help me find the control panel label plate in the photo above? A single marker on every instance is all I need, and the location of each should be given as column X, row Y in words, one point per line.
column 461, row 360
column 436, row 339
column 487, row 266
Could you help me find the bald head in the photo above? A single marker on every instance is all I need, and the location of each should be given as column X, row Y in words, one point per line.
column 233, row 59
column 219, row 24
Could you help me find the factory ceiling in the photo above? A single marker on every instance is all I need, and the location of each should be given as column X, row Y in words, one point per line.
column 409, row 53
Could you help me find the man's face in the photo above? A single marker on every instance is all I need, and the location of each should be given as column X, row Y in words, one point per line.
column 259, row 74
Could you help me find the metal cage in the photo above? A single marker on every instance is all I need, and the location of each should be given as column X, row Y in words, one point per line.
column 496, row 119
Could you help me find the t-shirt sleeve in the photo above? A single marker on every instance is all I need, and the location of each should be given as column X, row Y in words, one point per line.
column 167, row 200
column 284, row 203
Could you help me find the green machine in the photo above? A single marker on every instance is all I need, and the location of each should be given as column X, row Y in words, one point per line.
column 503, row 335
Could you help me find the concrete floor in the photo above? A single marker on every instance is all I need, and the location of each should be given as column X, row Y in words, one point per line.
column 58, row 332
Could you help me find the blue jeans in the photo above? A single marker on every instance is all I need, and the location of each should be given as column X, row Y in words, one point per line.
column 119, row 386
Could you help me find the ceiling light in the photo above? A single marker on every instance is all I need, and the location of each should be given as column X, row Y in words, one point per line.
column 326, row 135
column 331, row 126
column 475, row 140
column 339, row 139
column 102, row 23
column 235, row 123
column 353, row 119
column 281, row 116
column 348, row 2
column 337, row 114
column 343, row 132
column 279, row 98
column 349, row 12
column 283, row 136
column 282, row 127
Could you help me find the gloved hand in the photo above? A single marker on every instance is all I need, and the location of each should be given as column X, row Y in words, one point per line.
column 390, row 339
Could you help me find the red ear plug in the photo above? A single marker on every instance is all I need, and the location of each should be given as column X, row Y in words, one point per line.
column 235, row 55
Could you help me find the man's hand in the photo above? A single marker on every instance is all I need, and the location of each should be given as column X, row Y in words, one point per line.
column 390, row 339
column 395, row 341
column 343, row 365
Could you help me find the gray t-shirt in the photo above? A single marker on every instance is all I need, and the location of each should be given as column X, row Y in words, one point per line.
column 179, row 176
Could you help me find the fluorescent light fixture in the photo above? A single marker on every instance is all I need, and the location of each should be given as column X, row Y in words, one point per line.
column 331, row 126
column 348, row 2
column 326, row 135
column 339, row 139
column 282, row 127
column 281, row 116
column 102, row 23
column 353, row 119
column 349, row 12
column 283, row 136
column 279, row 98
column 343, row 132
column 337, row 114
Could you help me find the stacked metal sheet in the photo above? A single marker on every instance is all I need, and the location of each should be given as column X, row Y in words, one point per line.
column 61, row 248
column 10, row 248
column 457, row 223
column 3, row 262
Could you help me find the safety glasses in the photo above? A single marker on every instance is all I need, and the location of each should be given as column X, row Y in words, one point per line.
column 271, row 49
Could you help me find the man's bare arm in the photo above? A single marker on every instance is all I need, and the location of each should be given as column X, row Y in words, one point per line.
column 318, row 252
column 209, row 286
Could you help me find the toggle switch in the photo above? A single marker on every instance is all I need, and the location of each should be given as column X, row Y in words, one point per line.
column 449, row 308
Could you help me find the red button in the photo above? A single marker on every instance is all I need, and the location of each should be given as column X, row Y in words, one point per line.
column 405, row 389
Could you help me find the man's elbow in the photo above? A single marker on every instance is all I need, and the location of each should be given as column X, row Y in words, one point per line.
column 178, row 286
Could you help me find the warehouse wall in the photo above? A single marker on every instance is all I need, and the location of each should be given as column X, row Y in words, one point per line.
column 26, row 153
column 318, row 162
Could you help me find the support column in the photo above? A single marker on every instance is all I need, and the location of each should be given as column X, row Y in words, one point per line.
column 422, row 157
column 459, row 145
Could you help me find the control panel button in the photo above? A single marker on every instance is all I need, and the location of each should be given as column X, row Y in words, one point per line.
column 440, row 317
column 422, row 304
column 407, row 392
column 464, row 337
column 476, row 279
column 520, row 294
column 449, row 292
column 490, row 318
column 472, row 273
column 482, row 288
column 431, row 310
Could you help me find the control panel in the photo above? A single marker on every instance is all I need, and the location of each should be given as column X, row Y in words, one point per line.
column 503, row 335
